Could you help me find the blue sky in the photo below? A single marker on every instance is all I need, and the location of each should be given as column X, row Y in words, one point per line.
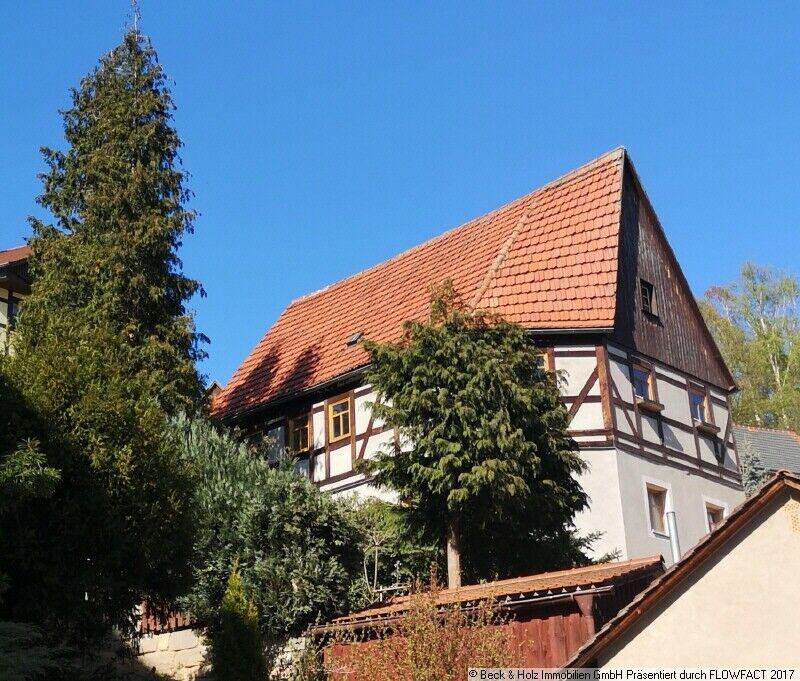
column 323, row 138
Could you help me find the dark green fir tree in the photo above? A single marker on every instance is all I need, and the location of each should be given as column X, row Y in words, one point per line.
column 484, row 463
column 104, row 352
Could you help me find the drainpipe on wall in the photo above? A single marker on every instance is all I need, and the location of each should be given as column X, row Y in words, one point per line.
column 672, row 524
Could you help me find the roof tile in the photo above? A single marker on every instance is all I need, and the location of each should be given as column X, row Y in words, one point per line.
column 524, row 261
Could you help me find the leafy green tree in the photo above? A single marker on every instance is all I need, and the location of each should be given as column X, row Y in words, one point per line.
column 104, row 348
column 237, row 652
column 296, row 547
column 485, row 451
column 756, row 323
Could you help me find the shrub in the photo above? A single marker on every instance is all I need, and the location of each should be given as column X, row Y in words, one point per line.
column 237, row 651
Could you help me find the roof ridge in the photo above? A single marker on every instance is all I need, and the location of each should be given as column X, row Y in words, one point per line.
column 561, row 179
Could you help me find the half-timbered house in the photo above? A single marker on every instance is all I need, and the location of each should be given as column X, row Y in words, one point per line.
column 14, row 286
column 584, row 264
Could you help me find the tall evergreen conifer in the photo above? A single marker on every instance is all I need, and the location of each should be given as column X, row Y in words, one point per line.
column 105, row 349
column 484, row 461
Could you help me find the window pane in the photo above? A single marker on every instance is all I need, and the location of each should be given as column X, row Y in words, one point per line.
column 698, row 406
column 641, row 383
column 345, row 423
column 657, row 501
column 337, row 427
column 339, row 407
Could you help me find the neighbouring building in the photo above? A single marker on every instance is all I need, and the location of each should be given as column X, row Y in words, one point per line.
column 584, row 264
column 14, row 285
column 549, row 616
column 732, row 601
column 778, row 450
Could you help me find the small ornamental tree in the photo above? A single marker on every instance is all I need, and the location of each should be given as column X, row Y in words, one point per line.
column 237, row 653
column 753, row 472
column 484, row 450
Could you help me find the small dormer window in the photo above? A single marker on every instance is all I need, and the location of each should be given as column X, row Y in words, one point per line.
column 648, row 297
column 352, row 339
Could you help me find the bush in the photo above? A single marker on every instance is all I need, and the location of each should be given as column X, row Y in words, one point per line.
column 296, row 548
column 426, row 644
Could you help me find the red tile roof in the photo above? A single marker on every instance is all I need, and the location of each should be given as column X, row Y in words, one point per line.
column 550, row 583
column 547, row 260
column 15, row 254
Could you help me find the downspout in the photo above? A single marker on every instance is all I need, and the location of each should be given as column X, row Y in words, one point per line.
column 672, row 525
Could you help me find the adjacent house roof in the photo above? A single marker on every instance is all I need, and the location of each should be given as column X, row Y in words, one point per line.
column 546, row 584
column 547, row 260
column 666, row 584
column 779, row 450
column 16, row 254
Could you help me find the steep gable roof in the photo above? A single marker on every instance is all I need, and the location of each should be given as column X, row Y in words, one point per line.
column 547, row 260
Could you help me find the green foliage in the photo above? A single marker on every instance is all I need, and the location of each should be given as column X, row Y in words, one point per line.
column 489, row 444
column 24, row 653
column 393, row 553
column 24, row 473
column 237, row 652
column 753, row 472
column 756, row 324
column 103, row 347
column 296, row 548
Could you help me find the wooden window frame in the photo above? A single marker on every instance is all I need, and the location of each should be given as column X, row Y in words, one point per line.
column 647, row 297
column 649, row 403
column 710, row 507
column 548, row 359
column 329, row 405
column 707, row 424
column 290, row 428
column 649, row 489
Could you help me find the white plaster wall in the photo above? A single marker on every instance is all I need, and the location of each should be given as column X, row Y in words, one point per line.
column 575, row 371
column 738, row 610
column 601, row 484
column 318, row 425
column 588, row 417
column 379, row 442
column 277, row 437
column 341, row 460
column 363, row 412
column 622, row 379
column 686, row 493
column 675, row 401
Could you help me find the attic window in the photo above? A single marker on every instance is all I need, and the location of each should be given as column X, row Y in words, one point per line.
column 354, row 338
column 648, row 295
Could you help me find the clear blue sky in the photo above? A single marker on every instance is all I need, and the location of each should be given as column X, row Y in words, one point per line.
column 323, row 138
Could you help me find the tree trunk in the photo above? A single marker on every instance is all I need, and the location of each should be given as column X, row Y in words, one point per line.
column 453, row 551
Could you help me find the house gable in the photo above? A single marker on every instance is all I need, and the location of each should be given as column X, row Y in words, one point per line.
column 675, row 333
column 729, row 602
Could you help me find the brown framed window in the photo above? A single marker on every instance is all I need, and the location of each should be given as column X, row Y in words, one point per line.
column 648, row 297
column 698, row 405
column 299, row 434
column 339, row 419
column 642, row 378
column 715, row 515
column 657, row 506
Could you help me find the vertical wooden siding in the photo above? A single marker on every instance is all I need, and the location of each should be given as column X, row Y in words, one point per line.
column 677, row 336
